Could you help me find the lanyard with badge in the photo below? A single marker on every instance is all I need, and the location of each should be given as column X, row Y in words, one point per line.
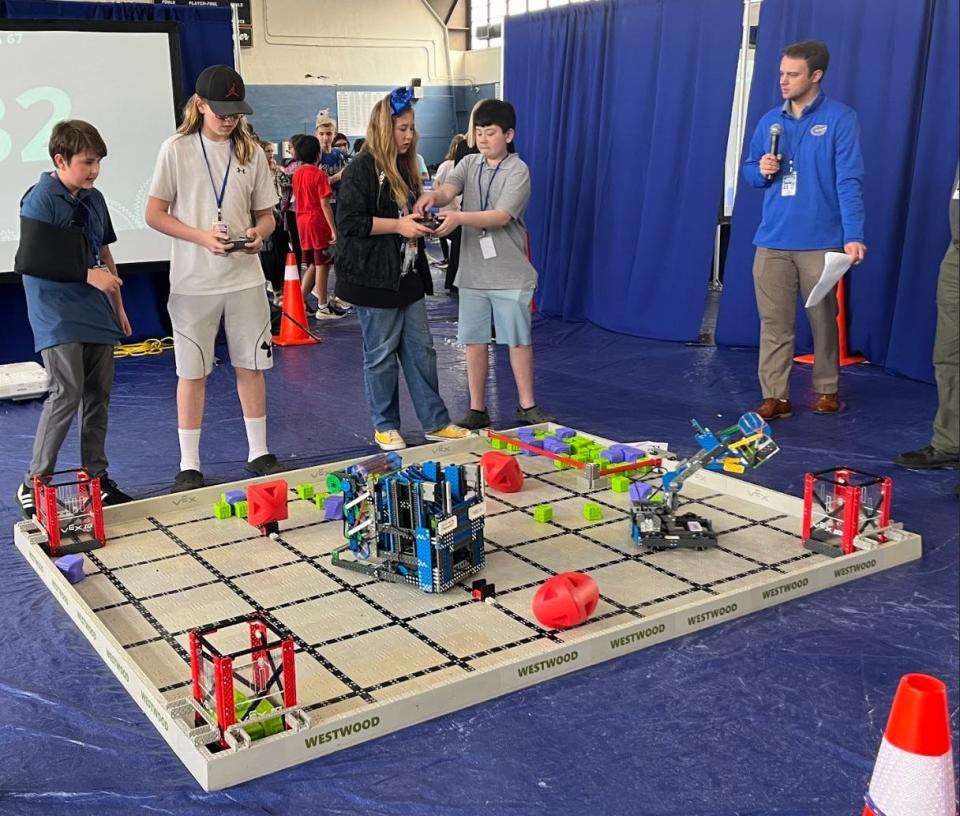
column 487, row 248
column 788, row 185
column 219, row 225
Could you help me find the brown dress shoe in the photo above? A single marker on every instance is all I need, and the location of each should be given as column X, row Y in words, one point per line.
column 826, row 404
column 771, row 408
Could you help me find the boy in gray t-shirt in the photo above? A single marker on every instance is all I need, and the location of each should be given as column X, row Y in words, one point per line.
column 496, row 279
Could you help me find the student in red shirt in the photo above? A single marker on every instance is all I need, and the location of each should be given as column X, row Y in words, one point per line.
column 312, row 192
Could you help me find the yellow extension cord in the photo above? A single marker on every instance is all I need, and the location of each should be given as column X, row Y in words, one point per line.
column 144, row 349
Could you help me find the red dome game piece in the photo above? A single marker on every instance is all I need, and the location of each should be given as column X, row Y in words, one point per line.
column 566, row 600
column 502, row 471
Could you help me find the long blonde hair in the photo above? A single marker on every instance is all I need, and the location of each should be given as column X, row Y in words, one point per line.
column 244, row 144
column 455, row 142
column 401, row 171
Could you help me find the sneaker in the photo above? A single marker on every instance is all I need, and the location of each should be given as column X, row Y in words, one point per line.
column 329, row 312
column 533, row 415
column 187, row 480
column 475, row 420
column 389, row 440
column 110, row 494
column 25, row 500
column 266, row 465
column 342, row 305
column 449, row 433
column 928, row 458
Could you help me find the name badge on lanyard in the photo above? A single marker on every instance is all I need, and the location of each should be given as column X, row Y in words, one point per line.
column 487, row 248
column 219, row 225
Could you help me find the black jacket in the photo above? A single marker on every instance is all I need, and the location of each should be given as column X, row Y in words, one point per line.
column 363, row 259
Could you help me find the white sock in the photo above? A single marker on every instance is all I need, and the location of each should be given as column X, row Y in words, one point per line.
column 256, row 437
column 189, row 448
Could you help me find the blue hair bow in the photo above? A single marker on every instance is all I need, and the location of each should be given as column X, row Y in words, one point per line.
column 401, row 99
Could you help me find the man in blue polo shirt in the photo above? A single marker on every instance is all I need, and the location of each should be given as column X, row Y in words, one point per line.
column 813, row 203
column 73, row 302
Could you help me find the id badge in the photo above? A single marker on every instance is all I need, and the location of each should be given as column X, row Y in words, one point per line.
column 222, row 227
column 487, row 249
column 789, row 185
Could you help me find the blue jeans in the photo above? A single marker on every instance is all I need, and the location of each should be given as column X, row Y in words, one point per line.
column 395, row 337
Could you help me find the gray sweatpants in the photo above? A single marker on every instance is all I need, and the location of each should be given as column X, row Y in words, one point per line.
column 777, row 275
column 946, row 355
column 81, row 375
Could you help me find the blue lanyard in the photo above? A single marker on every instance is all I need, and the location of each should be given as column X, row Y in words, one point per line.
column 213, row 184
column 483, row 164
column 91, row 229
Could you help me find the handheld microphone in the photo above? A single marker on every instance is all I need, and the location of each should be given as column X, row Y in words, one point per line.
column 775, row 131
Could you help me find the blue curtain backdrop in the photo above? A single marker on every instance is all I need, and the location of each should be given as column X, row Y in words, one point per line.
column 895, row 63
column 623, row 110
column 206, row 38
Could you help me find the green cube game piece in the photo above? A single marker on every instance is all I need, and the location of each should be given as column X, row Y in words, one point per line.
column 560, row 465
column 592, row 512
column 619, row 484
column 543, row 513
column 498, row 444
column 305, row 491
column 513, row 448
column 222, row 510
column 318, row 499
column 240, row 509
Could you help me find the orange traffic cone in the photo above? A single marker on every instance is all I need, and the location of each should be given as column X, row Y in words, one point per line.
column 914, row 770
column 293, row 325
column 845, row 357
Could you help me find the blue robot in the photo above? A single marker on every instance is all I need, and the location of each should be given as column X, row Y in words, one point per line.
column 421, row 524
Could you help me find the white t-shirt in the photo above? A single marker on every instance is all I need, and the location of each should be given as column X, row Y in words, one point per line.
column 182, row 178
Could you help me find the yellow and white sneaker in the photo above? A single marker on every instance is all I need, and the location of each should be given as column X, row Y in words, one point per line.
column 389, row 440
column 450, row 433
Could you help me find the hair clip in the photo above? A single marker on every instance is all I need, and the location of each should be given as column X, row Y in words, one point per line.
column 401, row 99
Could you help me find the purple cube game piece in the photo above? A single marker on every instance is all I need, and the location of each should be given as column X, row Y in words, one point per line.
column 564, row 433
column 555, row 446
column 526, row 434
column 640, row 491
column 72, row 567
column 234, row 496
column 631, row 454
column 333, row 508
column 533, row 443
column 613, row 454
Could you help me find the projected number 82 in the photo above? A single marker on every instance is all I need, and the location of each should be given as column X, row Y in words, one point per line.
column 36, row 148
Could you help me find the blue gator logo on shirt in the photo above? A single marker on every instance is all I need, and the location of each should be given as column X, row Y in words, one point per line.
column 818, row 130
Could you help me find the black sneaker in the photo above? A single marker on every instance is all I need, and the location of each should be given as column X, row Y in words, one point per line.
column 25, row 500
column 187, row 480
column 110, row 494
column 928, row 458
column 475, row 420
column 533, row 415
column 265, row 465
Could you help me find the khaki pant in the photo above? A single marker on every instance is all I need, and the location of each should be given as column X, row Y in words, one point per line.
column 946, row 355
column 777, row 276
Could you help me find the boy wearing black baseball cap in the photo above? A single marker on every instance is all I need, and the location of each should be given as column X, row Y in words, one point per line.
column 210, row 176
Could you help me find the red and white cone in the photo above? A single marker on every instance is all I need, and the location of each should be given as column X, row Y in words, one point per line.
column 294, row 321
column 914, row 770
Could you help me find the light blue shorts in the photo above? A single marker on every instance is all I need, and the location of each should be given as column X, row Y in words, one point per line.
column 508, row 309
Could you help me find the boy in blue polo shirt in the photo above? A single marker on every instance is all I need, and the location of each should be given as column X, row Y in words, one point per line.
column 73, row 303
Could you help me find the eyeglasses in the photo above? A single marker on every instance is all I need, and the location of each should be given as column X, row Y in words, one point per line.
column 229, row 117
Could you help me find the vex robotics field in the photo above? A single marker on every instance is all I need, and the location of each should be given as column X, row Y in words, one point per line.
column 263, row 624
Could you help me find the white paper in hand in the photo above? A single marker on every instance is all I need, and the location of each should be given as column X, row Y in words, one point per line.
column 835, row 264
